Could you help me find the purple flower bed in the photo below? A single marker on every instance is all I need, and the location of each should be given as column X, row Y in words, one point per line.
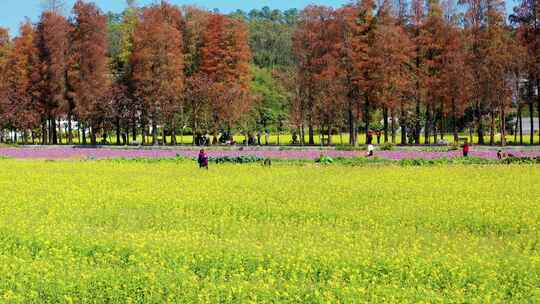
column 66, row 153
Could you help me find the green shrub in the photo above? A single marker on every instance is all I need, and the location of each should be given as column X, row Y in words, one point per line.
column 351, row 148
column 325, row 160
column 419, row 162
column 521, row 160
column 236, row 159
column 388, row 147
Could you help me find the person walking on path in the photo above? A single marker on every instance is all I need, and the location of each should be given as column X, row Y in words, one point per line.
column 371, row 150
column 466, row 149
column 203, row 159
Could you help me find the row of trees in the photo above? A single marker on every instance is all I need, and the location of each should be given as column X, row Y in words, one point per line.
column 410, row 69
column 147, row 71
column 428, row 71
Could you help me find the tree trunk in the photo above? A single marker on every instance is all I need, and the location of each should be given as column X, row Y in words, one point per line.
column 418, row 125
column 164, row 136
column 70, row 129
column 118, row 131
column 44, row 132
column 126, row 135
column 455, row 130
column 367, row 117
column 329, row 136
column 385, row 124
column 173, row 134
column 427, row 127
column 393, row 126
column 93, row 135
column 531, row 114
column 353, row 132
column 479, row 126
column 520, row 121
column 538, row 103
column 492, row 128
column 311, row 133
column 403, row 126
column 134, row 131
column 53, row 127
column 60, row 132
column 503, row 125
column 302, row 135
column 83, row 134
column 144, row 132
column 154, row 132
column 50, row 132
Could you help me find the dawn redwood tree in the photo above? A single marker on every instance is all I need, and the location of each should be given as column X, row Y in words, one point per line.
column 431, row 46
column 53, row 46
column 520, row 63
column 195, row 23
column 474, row 24
column 20, row 106
column 526, row 17
column 329, row 85
column 356, row 33
column 225, row 58
column 5, row 44
column 497, row 58
column 455, row 77
column 416, row 25
column 391, row 54
column 310, row 49
column 90, row 75
column 157, row 64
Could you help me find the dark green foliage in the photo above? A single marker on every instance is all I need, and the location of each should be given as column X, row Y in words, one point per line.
column 446, row 161
column 387, row 147
column 325, row 160
column 271, row 108
column 521, row 160
column 236, row 160
column 270, row 36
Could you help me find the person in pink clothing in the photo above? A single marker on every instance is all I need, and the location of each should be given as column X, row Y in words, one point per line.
column 203, row 159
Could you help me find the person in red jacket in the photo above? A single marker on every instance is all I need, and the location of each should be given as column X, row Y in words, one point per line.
column 466, row 149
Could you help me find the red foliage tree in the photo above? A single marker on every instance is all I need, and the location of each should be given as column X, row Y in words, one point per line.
column 53, row 45
column 356, row 36
column 455, row 77
column 90, row 77
column 158, row 65
column 20, row 105
column 312, row 52
column 4, row 53
column 391, row 55
column 430, row 46
column 225, row 57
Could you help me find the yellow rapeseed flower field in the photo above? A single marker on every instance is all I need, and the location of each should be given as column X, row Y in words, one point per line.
column 166, row 232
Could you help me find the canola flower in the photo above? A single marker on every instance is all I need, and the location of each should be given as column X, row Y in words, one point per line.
column 129, row 232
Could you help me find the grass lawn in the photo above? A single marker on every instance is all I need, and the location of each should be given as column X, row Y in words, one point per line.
column 135, row 232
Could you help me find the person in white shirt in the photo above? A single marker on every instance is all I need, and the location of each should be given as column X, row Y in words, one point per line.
column 371, row 150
